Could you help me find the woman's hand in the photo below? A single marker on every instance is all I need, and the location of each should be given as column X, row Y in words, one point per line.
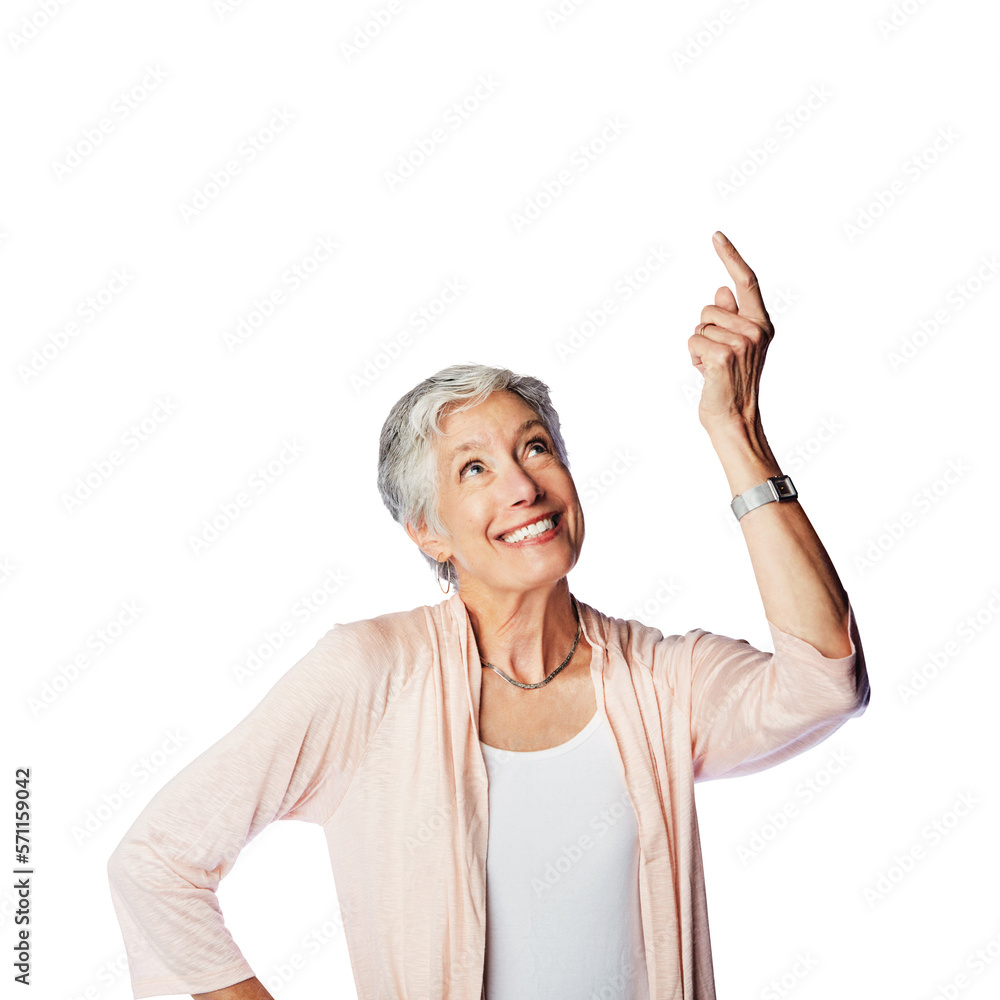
column 728, row 348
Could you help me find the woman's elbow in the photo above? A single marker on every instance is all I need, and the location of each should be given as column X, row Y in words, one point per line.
column 857, row 694
column 132, row 863
column 121, row 862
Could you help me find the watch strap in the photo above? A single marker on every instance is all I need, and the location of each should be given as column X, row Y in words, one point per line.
column 775, row 488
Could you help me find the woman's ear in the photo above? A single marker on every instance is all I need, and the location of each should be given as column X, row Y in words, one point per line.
column 426, row 540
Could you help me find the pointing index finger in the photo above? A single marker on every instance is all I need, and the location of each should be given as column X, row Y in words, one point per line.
column 748, row 296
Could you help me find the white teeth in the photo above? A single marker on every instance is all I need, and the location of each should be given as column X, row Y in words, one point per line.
column 537, row 528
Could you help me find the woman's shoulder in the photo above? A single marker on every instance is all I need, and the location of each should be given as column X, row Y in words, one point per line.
column 362, row 658
column 616, row 627
column 391, row 622
column 635, row 639
column 390, row 636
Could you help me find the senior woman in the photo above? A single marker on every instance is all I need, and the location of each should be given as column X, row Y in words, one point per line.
column 506, row 778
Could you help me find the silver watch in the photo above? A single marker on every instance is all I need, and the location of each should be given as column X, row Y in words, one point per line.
column 775, row 488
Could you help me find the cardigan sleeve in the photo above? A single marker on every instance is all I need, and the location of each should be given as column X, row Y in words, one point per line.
column 292, row 757
column 751, row 709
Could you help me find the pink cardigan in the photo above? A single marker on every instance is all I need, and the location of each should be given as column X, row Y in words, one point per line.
column 374, row 735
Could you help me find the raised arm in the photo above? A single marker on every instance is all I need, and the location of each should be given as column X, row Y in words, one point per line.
column 799, row 587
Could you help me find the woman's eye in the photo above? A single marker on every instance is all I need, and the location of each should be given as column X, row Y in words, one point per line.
column 474, row 462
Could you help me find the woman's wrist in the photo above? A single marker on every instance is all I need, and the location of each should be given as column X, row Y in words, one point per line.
column 746, row 457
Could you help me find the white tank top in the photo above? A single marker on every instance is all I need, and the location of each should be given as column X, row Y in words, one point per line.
column 562, row 874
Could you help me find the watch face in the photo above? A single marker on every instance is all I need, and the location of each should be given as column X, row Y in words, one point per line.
column 785, row 488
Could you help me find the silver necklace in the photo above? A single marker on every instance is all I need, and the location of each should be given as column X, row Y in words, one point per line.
column 554, row 672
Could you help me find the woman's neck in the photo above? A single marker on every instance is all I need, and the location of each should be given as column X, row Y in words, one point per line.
column 525, row 634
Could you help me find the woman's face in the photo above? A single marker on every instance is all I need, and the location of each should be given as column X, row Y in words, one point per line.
column 494, row 475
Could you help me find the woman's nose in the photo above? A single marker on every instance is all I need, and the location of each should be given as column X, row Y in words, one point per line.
column 518, row 485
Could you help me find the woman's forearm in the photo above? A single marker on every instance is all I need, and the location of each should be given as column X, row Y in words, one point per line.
column 799, row 586
column 249, row 989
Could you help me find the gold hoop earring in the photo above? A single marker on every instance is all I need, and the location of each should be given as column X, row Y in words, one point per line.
column 438, row 574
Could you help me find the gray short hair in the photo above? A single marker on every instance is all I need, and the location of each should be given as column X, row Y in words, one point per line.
column 407, row 467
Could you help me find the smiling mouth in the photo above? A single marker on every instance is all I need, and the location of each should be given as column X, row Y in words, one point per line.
column 542, row 528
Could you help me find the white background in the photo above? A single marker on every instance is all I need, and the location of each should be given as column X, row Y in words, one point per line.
column 894, row 457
